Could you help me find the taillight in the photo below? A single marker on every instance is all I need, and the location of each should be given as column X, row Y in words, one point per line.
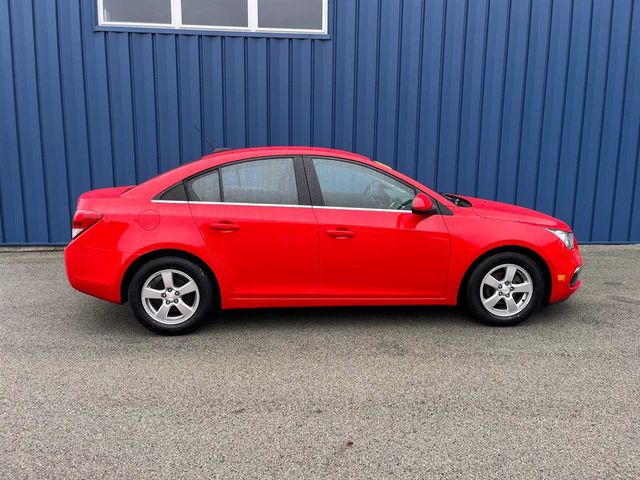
column 82, row 220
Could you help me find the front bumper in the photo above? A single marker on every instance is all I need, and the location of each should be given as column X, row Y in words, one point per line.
column 565, row 272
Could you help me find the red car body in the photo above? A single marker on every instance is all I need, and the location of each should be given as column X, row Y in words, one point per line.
column 282, row 256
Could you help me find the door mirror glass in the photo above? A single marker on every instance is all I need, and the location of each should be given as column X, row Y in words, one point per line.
column 422, row 205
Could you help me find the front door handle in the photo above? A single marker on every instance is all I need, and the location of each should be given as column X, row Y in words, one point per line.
column 340, row 233
column 224, row 226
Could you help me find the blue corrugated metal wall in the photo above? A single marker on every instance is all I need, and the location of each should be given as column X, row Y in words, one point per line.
column 535, row 102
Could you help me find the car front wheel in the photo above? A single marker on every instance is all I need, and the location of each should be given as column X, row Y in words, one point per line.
column 505, row 288
column 171, row 295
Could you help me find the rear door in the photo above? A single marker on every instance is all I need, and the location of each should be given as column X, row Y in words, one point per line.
column 371, row 244
column 256, row 219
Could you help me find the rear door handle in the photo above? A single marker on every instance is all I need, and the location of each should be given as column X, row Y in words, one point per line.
column 224, row 226
column 340, row 233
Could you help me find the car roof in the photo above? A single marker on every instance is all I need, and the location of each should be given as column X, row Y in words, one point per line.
column 154, row 185
column 225, row 156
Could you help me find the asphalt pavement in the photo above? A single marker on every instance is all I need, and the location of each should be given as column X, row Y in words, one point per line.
column 85, row 392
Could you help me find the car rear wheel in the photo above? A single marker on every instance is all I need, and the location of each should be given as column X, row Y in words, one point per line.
column 171, row 295
column 505, row 288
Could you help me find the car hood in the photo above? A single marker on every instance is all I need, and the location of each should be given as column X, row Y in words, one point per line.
column 504, row 211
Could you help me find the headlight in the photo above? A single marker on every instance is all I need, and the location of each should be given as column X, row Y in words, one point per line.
column 567, row 237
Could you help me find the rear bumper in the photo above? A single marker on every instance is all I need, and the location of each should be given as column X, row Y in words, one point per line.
column 565, row 275
column 94, row 271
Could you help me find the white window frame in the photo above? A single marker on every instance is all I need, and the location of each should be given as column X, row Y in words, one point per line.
column 252, row 19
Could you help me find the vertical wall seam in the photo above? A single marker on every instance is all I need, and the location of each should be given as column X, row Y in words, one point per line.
column 268, row 88
column 290, row 90
column 604, row 109
column 523, row 94
column 376, row 101
column 156, row 106
column 481, row 107
column 86, row 106
column 544, row 104
column 461, row 94
column 582, row 120
column 312, row 90
column 43, row 153
column 25, row 231
column 203, row 127
column 223, row 72
column 114, row 168
column 419, row 90
column 562, row 114
column 622, row 116
column 333, row 73
column 396, row 125
column 62, row 112
column 354, row 89
column 439, row 115
column 502, row 95
column 134, row 113
column 203, row 130
column 245, row 73
column 176, row 40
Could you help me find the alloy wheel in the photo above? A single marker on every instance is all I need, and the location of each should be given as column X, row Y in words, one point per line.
column 506, row 290
column 170, row 296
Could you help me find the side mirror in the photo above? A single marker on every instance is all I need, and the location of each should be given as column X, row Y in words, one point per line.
column 422, row 205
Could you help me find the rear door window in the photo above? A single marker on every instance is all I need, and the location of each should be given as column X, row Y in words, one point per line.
column 263, row 181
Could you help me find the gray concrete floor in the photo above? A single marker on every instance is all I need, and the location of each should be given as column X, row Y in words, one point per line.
column 85, row 392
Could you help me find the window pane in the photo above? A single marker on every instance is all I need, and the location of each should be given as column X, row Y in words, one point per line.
column 177, row 193
column 138, row 11
column 205, row 188
column 270, row 180
column 304, row 14
column 345, row 184
column 223, row 13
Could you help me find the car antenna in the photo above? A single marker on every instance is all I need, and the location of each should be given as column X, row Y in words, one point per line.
column 205, row 138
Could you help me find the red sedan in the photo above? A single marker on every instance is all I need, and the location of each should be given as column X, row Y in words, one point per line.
column 302, row 226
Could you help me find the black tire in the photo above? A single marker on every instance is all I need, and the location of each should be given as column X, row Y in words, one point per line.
column 473, row 293
column 205, row 303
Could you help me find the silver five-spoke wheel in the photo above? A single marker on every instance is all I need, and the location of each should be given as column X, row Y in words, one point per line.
column 170, row 296
column 506, row 290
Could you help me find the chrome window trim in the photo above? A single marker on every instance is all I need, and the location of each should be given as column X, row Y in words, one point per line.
column 282, row 205
column 234, row 203
column 325, row 207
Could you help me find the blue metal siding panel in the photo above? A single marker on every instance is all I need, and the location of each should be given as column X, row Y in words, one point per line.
column 615, row 97
column 13, row 218
column 471, row 101
column 167, row 101
column 212, row 93
column 587, row 165
column 526, row 101
column 144, row 106
column 74, row 99
column 388, row 83
column 28, row 122
column 627, row 175
column 574, row 109
column 300, row 91
column 51, row 123
column 534, row 95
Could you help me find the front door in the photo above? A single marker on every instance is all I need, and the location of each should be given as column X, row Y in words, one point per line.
column 371, row 244
column 261, row 231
